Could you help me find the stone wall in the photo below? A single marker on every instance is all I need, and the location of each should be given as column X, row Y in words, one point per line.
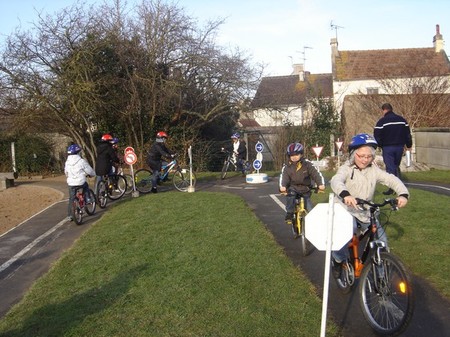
column 432, row 147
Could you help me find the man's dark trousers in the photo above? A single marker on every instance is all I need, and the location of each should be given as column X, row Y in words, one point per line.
column 392, row 156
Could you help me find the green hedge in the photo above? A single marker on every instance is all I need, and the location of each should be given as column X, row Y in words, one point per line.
column 33, row 155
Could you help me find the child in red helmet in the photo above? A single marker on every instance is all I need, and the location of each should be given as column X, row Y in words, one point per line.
column 157, row 151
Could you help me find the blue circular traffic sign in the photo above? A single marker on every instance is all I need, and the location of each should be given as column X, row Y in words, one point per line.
column 257, row 164
column 259, row 147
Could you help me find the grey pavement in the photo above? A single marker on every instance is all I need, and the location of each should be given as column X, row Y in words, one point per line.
column 41, row 241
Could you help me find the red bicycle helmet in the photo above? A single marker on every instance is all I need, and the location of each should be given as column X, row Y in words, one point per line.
column 107, row 137
column 161, row 134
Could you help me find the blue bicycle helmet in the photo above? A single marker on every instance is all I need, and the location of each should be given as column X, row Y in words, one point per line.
column 362, row 139
column 294, row 149
column 73, row 149
column 115, row 140
column 236, row 135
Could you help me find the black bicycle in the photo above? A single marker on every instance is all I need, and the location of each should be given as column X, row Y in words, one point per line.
column 110, row 187
column 231, row 161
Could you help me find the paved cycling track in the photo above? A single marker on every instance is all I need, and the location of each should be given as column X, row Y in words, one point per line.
column 28, row 251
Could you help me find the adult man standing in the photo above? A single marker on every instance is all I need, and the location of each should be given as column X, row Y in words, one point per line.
column 392, row 134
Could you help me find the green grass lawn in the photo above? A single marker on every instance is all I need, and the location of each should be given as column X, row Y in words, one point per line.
column 202, row 264
column 172, row 264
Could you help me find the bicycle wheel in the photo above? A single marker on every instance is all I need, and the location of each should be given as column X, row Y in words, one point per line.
column 346, row 280
column 102, row 194
column 306, row 245
column 181, row 179
column 117, row 186
column 143, row 180
column 386, row 295
column 226, row 164
column 129, row 180
column 247, row 167
column 77, row 213
column 90, row 207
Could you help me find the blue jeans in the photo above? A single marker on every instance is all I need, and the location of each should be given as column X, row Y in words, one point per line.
column 290, row 201
column 343, row 253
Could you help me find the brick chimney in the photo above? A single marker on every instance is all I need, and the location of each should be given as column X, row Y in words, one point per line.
column 438, row 42
column 334, row 55
column 298, row 69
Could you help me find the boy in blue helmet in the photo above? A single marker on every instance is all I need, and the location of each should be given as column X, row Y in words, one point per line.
column 297, row 177
column 76, row 169
column 357, row 178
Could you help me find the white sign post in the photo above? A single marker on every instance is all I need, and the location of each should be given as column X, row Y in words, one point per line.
column 339, row 146
column 317, row 150
column 257, row 178
column 130, row 158
column 334, row 221
column 190, row 188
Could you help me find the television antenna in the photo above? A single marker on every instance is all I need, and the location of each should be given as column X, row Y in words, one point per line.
column 335, row 27
column 304, row 55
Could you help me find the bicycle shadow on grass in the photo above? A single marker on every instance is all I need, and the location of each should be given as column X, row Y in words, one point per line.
column 396, row 231
column 58, row 319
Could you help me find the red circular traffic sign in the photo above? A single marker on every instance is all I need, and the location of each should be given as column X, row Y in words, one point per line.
column 130, row 158
column 128, row 149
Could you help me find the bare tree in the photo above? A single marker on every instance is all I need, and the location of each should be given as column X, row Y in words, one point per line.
column 127, row 71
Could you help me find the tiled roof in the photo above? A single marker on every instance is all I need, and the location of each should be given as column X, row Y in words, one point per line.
column 248, row 123
column 278, row 91
column 390, row 63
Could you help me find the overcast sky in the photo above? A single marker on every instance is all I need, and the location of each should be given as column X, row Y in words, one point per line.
column 279, row 33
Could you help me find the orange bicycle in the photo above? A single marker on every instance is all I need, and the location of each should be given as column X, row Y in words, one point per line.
column 385, row 287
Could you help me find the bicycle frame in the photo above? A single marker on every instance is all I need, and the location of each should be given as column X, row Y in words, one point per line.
column 371, row 246
column 167, row 168
column 231, row 158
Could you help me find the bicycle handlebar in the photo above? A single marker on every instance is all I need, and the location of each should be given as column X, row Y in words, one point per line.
column 314, row 188
column 392, row 202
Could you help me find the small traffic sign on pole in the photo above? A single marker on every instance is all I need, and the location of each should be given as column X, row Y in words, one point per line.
column 317, row 150
column 259, row 147
column 130, row 158
column 339, row 144
column 128, row 149
column 257, row 164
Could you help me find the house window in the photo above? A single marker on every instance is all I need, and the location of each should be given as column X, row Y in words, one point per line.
column 372, row 91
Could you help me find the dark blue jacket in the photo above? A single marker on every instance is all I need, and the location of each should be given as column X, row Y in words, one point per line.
column 392, row 130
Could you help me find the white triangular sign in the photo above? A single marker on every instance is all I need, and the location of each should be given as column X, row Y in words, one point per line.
column 317, row 150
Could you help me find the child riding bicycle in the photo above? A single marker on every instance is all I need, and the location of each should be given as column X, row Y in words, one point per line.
column 76, row 169
column 157, row 151
column 357, row 178
column 239, row 151
column 297, row 178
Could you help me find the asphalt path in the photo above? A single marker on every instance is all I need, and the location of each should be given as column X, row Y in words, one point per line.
column 28, row 251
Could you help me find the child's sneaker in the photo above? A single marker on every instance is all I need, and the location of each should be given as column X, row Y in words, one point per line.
column 288, row 219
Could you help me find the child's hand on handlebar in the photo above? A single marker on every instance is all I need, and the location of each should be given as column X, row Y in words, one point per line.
column 351, row 201
column 401, row 202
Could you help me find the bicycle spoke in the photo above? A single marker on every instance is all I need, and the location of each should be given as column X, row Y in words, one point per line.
column 386, row 296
